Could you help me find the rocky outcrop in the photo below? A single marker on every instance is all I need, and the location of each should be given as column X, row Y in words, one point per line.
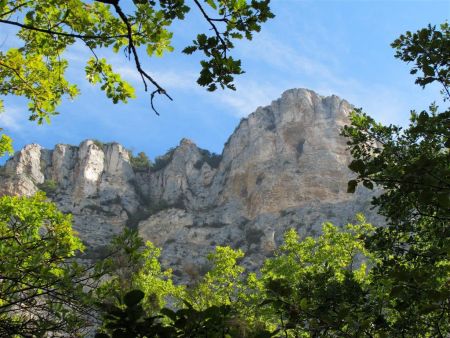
column 284, row 166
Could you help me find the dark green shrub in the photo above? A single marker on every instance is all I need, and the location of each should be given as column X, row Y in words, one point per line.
column 212, row 159
column 99, row 144
column 162, row 161
column 300, row 145
column 140, row 162
column 253, row 236
column 48, row 186
column 144, row 212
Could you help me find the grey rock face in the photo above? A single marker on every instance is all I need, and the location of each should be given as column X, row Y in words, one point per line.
column 284, row 166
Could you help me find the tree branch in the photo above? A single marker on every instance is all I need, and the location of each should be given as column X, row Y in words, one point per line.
column 72, row 35
column 213, row 26
column 132, row 50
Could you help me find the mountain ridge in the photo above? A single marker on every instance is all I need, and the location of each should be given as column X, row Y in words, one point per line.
column 285, row 165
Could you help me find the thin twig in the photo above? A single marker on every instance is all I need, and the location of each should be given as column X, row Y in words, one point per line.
column 132, row 50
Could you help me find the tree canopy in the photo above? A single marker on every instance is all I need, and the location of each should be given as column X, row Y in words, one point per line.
column 412, row 166
column 41, row 285
column 35, row 68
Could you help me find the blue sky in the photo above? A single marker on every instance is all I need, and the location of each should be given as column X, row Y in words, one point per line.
column 332, row 47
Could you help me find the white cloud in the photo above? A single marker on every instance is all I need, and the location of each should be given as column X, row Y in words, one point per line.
column 287, row 59
column 77, row 53
column 13, row 118
column 248, row 96
column 304, row 64
column 387, row 103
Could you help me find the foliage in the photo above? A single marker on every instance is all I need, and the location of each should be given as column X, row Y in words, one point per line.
column 48, row 186
column 130, row 320
column 100, row 145
column 5, row 145
column 212, row 159
column 162, row 161
column 135, row 264
column 152, row 207
column 141, row 162
column 158, row 206
column 318, row 287
column 41, row 287
column 412, row 166
column 220, row 285
column 36, row 68
column 43, row 290
column 358, row 281
column 429, row 49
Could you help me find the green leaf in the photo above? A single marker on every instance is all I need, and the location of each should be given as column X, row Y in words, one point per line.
column 169, row 313
column 101, row 335
column 444, row 199
column 212, row 3
column 304, row 304
column 189, row 49
column 351, row 186
column 368, row 184
column 133, row 297
column 120, row 334
column 428, row 70
column 357, row 166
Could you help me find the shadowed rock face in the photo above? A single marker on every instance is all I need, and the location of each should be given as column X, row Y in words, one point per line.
column 284, row 166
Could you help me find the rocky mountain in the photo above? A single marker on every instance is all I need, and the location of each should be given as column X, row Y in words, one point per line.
column 284, row 166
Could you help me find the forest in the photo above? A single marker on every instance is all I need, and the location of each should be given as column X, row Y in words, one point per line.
column 352, row 280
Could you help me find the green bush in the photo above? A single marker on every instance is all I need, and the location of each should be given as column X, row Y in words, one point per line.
column 253, row 236
column 212, row 159
column 140, row 162
column 48, row 186
column 99, row 144
column 162, row 161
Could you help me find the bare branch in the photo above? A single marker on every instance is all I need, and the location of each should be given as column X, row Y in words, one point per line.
column 132, row 50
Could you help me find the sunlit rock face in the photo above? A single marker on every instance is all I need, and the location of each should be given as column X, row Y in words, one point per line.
column 285, row 166
column 287, row 155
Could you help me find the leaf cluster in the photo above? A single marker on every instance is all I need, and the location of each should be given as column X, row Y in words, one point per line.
column 140, row 162
column 236, row 19
column 38, row 289
column 212, row 159
column 5, row 145
column 429, row 50
column 48, row 186
column 412, row 166
column 47, row 29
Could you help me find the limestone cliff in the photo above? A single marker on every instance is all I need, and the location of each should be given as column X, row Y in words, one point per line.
column 284, row 166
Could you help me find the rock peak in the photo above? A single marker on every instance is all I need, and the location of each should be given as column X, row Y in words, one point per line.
column 186, row 142
column 284, row 166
